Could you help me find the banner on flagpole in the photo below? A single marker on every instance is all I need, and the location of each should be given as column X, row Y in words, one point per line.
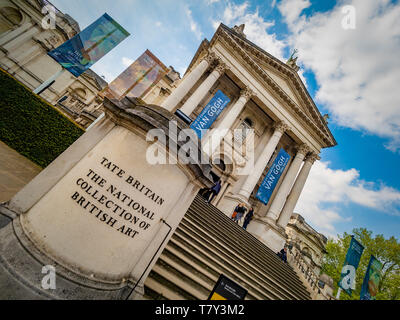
column 348, row 275
column 372, row 279
column 138, row 79
column 82, row 51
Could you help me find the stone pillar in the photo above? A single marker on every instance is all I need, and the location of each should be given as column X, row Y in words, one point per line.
column 188, row 82
column 262, row 161
column 91, row 204
column 294, row 195
column 287, row 183
column 202, row 90
column 231, row 116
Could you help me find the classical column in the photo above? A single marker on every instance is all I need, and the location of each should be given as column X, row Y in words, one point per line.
column 287, row 183
column 188, row 82
column 294, row 195
column 231, row 116
column 263, row 160
column 202, row 90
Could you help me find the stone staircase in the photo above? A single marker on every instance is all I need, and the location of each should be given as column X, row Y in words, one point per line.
column 206, row 244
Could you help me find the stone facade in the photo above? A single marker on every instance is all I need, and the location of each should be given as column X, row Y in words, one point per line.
column 24, row 44
column 268, row 96
column 306, row 250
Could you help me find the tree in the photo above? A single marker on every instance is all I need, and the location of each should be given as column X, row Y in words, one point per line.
column 387, row 251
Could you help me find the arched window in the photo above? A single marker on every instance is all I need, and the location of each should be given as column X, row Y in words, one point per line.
column 80, row 93
column 220, row 164
column 9, row 17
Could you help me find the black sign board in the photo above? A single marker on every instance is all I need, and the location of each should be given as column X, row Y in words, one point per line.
column 226, row 289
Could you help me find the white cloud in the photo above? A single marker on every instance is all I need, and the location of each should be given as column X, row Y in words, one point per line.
column 291, row 10
column 358, row 70
column 256, row 28
column 127, row 62
column 193, row 25
column 158, row 24
column 326, row 190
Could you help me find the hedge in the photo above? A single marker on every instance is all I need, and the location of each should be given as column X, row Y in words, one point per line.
column 30, row 125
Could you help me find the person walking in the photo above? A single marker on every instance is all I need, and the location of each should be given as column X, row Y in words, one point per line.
column 248, row 218
column 241, row 210
column 214, row 191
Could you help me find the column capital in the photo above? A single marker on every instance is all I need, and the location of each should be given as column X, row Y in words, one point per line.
column 247, row 93
column 281, row 126
column 210, row 57
column 303, row 149
column 222, row 67
column 312, row 158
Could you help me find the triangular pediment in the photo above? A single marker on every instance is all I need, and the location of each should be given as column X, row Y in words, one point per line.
column 283, row 78
column 284, row 83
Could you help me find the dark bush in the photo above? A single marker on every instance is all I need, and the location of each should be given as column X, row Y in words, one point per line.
column 30, row 125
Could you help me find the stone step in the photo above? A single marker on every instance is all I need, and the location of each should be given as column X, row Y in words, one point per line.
column 252, row 268
column 206, row 244
column 224, row 265
column 279, row 268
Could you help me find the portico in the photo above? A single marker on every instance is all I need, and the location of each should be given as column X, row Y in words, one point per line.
column 268, row 97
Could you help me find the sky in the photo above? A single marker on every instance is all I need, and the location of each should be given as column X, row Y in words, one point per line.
column 348, row 54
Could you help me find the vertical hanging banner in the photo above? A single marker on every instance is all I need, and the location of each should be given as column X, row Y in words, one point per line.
column 86, row 48
column 271, row 179
column 348, row 275
column 138, row 79
column 210, row 113
column 372, row 279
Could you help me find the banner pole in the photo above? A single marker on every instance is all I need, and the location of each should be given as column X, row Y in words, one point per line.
column 48, row 82
column 338, row 293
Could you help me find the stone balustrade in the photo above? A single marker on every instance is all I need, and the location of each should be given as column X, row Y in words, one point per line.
column 309, row 277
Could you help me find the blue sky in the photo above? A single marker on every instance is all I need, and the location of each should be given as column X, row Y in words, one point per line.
column 352, row 74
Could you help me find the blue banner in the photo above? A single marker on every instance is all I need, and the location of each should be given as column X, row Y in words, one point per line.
column 372, row 279
column 210, row 113
column 271, row 179
column 86, row 48
column 348, row 275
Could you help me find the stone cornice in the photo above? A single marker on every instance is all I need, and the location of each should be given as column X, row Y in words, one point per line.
column 239, row 44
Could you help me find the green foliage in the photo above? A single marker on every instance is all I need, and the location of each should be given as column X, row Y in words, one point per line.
column 30, row 125
column 386, row 251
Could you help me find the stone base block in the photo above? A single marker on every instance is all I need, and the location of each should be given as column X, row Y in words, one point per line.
column 268, row 232
column 229, row 203
column 21, row 277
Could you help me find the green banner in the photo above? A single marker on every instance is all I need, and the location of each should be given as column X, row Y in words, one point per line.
column 348, row 275
column 372, row 279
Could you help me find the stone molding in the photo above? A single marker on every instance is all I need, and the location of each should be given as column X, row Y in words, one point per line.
column 320, row 128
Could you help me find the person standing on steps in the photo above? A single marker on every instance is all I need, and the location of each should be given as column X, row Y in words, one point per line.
column 248, row 218
column 215, row 190
column 282, row 254
column 241, row 210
